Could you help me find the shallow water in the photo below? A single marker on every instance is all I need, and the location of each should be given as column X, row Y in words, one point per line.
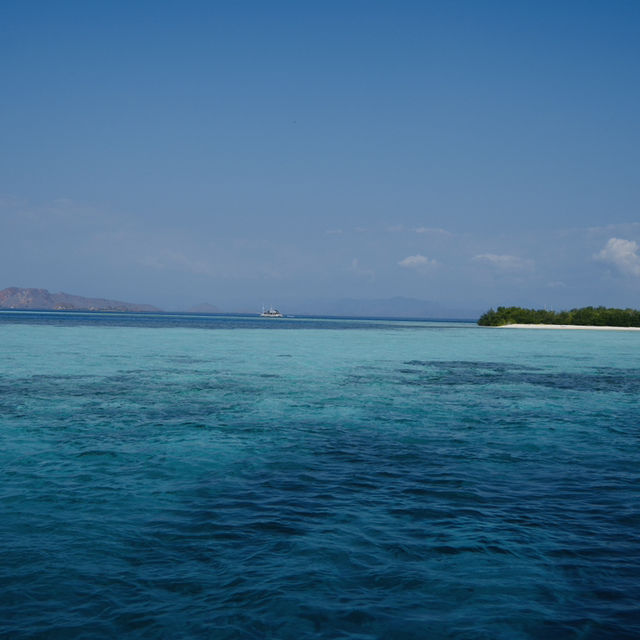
column 168, row 476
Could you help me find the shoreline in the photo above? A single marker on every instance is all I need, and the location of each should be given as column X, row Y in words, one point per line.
column 567, row 326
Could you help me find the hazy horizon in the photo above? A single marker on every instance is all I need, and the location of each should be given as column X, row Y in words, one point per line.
column 468, row 154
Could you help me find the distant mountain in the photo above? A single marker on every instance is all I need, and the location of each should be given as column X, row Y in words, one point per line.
column 205, row 307
column 17, row 298
column 398, row 307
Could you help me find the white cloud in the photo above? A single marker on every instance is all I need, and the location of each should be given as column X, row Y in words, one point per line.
column 504, row 262
column 334, row 232
column 360, row 271
column 395, row 228
column 435, row 231
column 623, row 254
column 417, row 262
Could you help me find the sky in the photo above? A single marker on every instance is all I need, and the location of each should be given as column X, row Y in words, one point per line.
column 470, row 153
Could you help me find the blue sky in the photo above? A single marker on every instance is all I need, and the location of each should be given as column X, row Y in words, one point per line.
column 470, row 153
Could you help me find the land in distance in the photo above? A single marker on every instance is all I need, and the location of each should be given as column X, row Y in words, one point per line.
column 19, row 298
column 583, row 317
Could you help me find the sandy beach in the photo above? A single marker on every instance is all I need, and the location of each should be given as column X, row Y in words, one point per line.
column 567, row 326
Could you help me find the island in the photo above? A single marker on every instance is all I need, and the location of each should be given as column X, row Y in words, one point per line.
column 20, row 298
column 596, row 317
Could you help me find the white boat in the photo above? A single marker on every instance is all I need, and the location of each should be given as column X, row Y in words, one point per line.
column 270, row 313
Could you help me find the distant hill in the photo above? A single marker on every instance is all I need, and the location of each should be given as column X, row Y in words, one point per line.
column 17, row 298
column 205, row 307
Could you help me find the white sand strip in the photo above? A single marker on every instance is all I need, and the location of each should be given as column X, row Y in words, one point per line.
column 567, row 326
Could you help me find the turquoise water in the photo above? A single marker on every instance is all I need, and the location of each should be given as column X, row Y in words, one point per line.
column 169, row 476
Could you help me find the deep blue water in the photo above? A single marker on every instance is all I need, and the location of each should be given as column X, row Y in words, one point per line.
column 176, row 476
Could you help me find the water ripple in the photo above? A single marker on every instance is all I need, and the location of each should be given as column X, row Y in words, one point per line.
column 188, row 490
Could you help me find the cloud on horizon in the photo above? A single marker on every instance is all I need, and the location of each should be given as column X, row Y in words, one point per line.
column 361, row 271
column 417, row 262
column 436, row 231
column 173, row 265
column 504, row 262
column 621, row 253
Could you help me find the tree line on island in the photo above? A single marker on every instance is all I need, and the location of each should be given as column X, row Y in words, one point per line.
column 585, row 316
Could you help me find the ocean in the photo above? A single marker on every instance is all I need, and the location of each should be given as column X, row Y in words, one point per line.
column 168, row 476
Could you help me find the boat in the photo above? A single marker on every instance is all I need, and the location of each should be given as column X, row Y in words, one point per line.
column 270, row 313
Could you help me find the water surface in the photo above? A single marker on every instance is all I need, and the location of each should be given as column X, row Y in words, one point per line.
column 168, row 476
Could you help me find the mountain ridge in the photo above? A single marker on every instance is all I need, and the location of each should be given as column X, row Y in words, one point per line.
column 33, row 298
